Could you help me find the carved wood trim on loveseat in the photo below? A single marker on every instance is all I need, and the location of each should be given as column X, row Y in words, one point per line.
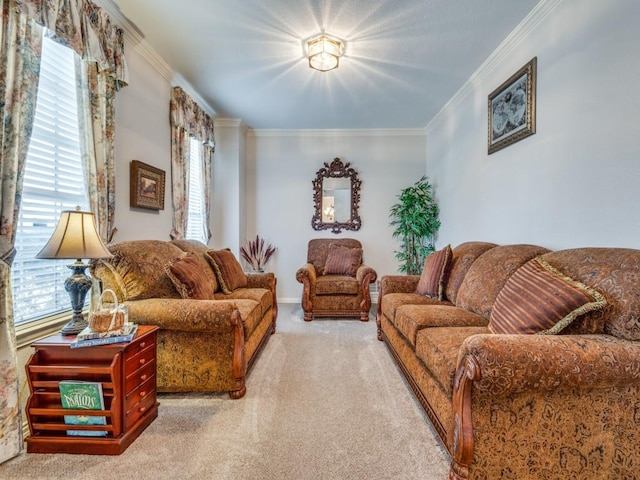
column 461, row 440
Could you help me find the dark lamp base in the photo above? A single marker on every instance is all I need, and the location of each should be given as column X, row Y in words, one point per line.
column 77, row 285
column 74, row 327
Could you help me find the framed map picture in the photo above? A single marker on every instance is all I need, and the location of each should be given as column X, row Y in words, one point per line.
column 512, row 108
column 147, row 186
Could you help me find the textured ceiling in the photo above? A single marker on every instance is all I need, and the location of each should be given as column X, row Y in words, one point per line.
column 404, row 58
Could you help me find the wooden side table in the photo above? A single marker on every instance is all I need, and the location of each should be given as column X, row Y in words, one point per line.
column 127, row 372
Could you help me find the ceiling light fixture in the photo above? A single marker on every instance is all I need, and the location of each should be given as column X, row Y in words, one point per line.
column 324, row 53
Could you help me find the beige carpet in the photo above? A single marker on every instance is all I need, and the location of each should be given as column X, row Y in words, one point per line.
column 324, row 401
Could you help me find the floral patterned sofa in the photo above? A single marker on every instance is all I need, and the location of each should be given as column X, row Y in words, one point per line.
column 559, row 405
column 212, row 327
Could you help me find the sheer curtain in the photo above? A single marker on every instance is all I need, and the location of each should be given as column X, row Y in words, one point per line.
column 87, row 30
column 188, row 120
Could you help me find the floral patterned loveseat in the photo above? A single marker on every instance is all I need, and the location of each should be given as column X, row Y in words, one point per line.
column 203, row 345
column 560, row 405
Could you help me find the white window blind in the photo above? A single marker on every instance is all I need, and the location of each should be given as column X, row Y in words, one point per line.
column 196, row 220
column 53, row 182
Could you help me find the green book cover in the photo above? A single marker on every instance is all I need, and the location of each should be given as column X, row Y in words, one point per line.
column 77, row 395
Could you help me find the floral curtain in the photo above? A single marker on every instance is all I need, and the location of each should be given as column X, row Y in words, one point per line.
column 20, row 53
column 207, row 161
column 97, row 88
column 88, row 31
column 188, row 120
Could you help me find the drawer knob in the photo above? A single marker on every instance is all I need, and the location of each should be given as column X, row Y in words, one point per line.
column 143, row 344
column 142, row 361
column 142, row 409
column 143, row 377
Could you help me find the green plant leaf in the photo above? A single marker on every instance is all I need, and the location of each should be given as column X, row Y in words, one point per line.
column 415, row 221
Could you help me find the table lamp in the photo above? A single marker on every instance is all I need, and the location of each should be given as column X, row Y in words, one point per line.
column 75, row 237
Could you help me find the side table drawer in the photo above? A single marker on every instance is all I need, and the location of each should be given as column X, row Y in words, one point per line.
column 141, row 345
column 139, row 359
column 140, row 393
column 137, row 410
column 139, row 376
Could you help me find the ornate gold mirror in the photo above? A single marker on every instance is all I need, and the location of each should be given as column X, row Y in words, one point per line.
column 336, row 197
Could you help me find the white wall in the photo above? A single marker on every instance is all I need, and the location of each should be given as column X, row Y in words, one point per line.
column 262, row 181
column 142, row 133
column 228, row 212
column 280, row 168
column 573, row 183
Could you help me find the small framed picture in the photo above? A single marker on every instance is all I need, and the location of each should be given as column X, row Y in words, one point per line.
column 147, row 186
column 512, row 108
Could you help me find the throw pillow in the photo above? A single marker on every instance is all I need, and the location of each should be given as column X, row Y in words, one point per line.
column 342, row 260
column 435, row 274
column 190, row 280
column 539, row 299
column 228, row 270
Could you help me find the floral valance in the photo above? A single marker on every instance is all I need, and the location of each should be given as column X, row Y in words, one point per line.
column 187, row 114
column 84, row 27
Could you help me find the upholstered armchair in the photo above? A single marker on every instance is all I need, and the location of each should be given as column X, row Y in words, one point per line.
column 336, row 282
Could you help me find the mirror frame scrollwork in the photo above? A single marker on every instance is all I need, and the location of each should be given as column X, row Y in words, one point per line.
column 336, row 169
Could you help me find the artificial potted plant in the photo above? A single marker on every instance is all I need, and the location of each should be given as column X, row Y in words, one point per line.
column 415, row 219
column 257, row 253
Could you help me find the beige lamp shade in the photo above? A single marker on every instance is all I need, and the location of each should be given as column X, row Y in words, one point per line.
column 76, row 237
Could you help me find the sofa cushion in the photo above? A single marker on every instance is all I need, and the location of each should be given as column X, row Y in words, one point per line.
column 462, row 258
column 136, row 270
column 200, row 251
column 614, row 272
column 539, row 299
column 337, row 285
column 393, row 301
column 228, row 270
column 435, row 273
column 189, row 279
column 410, row 319
column 489, row 273
column 318, row 250
column 438, row 348
column 342, row 260
column 250, row 313
column 260, row 295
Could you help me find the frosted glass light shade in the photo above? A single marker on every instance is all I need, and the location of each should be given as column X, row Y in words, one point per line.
column 75, row 236
column 324, row 53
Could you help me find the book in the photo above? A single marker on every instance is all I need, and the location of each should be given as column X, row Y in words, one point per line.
column 92, row 342
column 78, row 395
column 89, row 334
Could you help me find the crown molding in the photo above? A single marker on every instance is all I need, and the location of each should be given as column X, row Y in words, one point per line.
column 361, row 132
column 228, row 122
column 135, row 38
column 506, row 47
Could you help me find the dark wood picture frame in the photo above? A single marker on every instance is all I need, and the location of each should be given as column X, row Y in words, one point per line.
column 147, row 186
column 512, row 108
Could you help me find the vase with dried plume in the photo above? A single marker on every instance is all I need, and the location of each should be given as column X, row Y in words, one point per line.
column 257, row 253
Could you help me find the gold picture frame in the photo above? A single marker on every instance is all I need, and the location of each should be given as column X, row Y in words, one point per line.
column 512, row 108
column 147, row 186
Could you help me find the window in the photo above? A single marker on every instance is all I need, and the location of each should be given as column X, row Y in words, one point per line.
column 196, row 221
column 53, row 182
